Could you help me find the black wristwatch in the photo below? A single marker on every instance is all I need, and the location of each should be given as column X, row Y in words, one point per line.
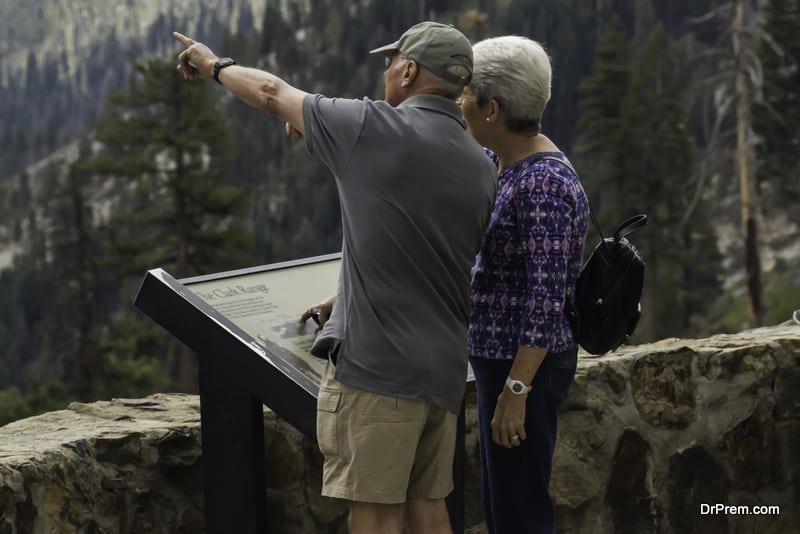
column 221, row 64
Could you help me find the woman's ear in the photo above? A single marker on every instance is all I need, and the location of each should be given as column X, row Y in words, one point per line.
column 494, row 111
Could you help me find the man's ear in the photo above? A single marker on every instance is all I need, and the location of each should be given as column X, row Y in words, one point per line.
column 410, row 73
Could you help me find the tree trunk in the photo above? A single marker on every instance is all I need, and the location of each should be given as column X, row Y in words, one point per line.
column 746, row 188
column 187, row 360
column 81, row 377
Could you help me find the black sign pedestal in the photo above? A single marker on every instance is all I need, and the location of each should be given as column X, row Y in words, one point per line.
column 232, row 427
column 252, row 351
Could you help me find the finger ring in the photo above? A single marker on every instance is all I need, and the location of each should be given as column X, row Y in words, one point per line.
column 515, row 437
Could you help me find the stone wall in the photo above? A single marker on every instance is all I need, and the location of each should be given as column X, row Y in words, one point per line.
column 647, row 436
column 652, row 433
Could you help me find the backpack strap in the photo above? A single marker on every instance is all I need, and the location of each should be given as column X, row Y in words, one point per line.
column 564, row 161
column 627, row 227
column 591, row 211
column 630, row 225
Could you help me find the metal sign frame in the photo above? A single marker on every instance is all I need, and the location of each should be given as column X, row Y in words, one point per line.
column 241, row 371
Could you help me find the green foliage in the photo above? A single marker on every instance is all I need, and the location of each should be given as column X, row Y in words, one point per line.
column 601, row 144
column 12, row 406
column 187, row 178
column 176, row 204
column 73, row 311
column 659, row 164
column 568, row 33
column 41, row 397
column 166, row 146
column 23, row 298
column 782, row 291
column 776, row 114
column 640, row 158
column 138, row 357
column 11, row 322
column 728, row 312
column 781, row 295
column 46, row 396
column 156, row 191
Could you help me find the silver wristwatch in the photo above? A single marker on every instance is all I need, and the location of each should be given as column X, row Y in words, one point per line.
column 517, row 387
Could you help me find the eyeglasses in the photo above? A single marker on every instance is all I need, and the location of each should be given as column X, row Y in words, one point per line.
column 387, row 60
column 460, row 99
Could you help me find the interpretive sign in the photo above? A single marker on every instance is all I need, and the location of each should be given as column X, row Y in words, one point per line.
column 253, row 351
column 246, row 323
column 266, row 303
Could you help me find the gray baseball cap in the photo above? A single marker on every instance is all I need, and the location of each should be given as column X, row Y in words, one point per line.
column 435, row 46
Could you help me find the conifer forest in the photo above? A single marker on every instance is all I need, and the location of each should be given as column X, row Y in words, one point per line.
column 111, row 164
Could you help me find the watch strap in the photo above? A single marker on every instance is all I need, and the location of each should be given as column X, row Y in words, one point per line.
column 517, row 387
column 221, row 64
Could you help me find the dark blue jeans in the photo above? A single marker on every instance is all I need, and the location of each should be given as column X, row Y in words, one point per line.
column 515, row 482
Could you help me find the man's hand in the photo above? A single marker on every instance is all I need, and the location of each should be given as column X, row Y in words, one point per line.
column 319, row 312
column 197, row 61
column 292, row 132
column 258, row 88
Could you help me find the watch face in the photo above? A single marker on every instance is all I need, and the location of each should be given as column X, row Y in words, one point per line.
column 516, row 388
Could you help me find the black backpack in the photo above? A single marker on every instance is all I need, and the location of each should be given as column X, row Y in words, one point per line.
column 607, row 308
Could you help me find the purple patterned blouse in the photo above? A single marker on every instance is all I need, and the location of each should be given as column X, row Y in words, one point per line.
column 531, row 255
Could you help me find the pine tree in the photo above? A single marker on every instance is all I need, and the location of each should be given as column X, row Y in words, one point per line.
column 26, row 297
column 167, row 150
column 166, row 145
column 659, row 163
column 730, row 76
column 741, row 47
column 11, row 326
column 33, row 78
column 776, row 114
column 74, row 326
column 294, row 195
column 601, row 144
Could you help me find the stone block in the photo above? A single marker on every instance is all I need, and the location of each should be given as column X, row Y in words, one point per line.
column 647, row 436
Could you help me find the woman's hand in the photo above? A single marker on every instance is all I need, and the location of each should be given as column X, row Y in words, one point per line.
column 508, row 423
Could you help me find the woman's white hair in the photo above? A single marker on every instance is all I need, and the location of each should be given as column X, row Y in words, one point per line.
column 515, row 71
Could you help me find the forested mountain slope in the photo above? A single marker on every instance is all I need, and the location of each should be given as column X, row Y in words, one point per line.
column 110, row 164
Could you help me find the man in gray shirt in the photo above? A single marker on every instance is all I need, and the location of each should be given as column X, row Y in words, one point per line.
column 416, row 192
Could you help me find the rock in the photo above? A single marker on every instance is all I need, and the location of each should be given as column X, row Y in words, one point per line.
column 696, row 479
column 104, row 467
column 648, row 436
column 629, row 490
column 663, row 387
column 755, row 452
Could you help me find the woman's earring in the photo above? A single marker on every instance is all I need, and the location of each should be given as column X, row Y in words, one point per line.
column 488, row 119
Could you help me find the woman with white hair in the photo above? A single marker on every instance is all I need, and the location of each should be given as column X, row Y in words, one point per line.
column 521, row 346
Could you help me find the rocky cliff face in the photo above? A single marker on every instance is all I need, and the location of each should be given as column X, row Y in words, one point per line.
column 653, row 439
column 69, row 29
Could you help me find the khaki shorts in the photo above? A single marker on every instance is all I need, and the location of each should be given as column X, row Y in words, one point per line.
column 382, row 449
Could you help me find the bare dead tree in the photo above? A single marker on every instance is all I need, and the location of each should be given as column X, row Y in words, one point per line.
column 744, row 157
column 735, row 83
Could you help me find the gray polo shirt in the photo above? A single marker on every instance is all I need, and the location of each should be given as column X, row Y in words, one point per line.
column 416, row 191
